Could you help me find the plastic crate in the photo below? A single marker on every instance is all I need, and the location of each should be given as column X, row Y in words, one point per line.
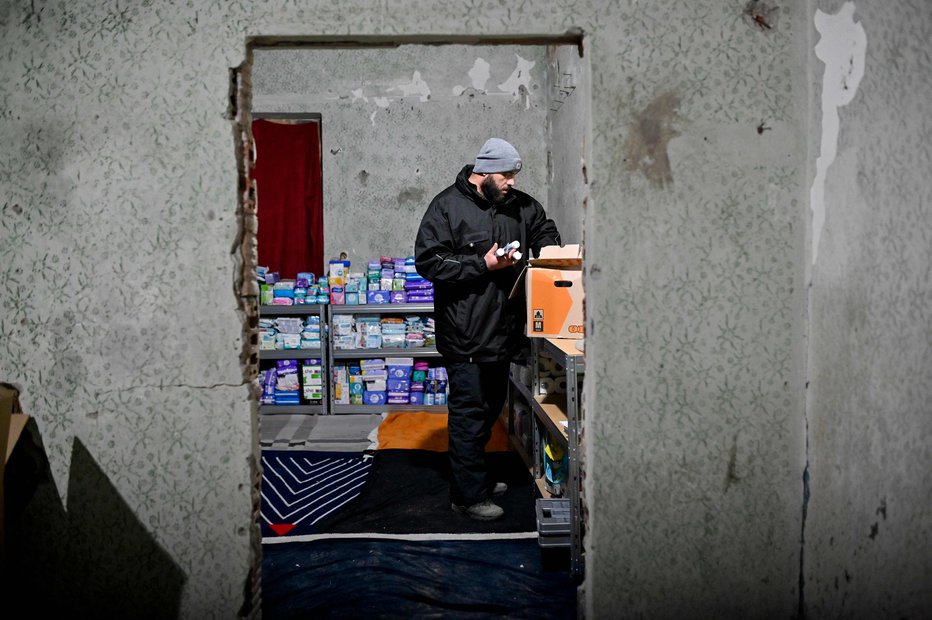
column 553, row 522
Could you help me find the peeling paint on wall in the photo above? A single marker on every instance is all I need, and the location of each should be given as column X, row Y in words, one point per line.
column 842, row 49
column 480, row 73
column 648, row 137
column 518, row 83
column 417, row 87
column 478, row 76
column 380, row 102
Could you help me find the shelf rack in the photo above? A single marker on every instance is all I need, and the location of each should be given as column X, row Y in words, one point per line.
column 320, row 353
column 549, row 413
column 417, row 352
column 328, row 355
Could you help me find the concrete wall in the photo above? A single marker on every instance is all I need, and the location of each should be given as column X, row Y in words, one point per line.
column 121, row 323
column 696, row 308
column 383, row 156
column 870, row 356
column 570, row 135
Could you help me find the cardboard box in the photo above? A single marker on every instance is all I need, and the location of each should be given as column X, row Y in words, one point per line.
column 553, row 286
column 12, row 424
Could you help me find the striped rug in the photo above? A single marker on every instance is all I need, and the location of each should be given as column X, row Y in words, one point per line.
column 301, row 488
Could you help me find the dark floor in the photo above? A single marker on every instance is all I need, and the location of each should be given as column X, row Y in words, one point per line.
column 396, row 550
column 379, row 578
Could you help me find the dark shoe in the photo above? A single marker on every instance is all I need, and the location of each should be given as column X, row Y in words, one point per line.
column 481, row 511
column 499, row 489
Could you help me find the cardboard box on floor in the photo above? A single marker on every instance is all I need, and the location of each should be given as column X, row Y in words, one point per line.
column 12, row 423
column 553, row 287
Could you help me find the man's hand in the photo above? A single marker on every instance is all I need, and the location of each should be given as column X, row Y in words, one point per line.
column 494, row 262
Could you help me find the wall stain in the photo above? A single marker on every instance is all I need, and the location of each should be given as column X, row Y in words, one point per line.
column 648, row 137
column 761, row 15
column 731, row 476
column 411, row 194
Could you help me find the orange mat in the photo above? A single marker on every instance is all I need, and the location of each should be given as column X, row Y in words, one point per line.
column 420, row 430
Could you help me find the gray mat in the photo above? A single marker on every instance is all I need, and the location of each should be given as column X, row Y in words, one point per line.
column 323, row 433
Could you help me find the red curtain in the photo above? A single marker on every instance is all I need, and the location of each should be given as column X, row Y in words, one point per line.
column 289, row 197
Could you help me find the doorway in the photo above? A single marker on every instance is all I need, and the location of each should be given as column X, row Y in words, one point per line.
column 400, row 117
column 287, row 176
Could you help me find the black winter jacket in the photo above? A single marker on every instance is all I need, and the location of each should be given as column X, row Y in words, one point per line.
column 475, row 320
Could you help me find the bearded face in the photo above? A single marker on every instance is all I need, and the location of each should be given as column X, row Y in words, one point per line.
column 491, row 190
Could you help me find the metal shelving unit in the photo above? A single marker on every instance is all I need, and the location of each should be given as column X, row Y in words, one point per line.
column 345, row 354
column 299, row 354
column 549, row 412
column 383, row 309
column 338, row 409
column 355, row 354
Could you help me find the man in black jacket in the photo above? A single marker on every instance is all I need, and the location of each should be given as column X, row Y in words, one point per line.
column 479, row 329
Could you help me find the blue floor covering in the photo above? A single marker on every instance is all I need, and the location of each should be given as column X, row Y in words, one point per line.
column 386, row 578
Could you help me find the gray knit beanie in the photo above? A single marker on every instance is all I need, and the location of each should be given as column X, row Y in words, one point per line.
column 497, row 156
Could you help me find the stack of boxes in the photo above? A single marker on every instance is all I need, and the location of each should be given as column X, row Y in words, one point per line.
column 364, row 331
column 398, row 381
column 289, row 333
column 275, row 291
column 287, row 383
column 312, row 381
column 386, row 281
column 292, row 384
column 390, row 381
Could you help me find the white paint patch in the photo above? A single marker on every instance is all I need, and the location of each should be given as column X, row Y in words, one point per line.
column 842, row 47
column 480, row 73
column 381, row 103
column 417, row 86
column 520, row 77
column 357, row 94
column 478, row 76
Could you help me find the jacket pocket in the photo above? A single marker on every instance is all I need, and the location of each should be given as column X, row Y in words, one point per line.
column 475, row 242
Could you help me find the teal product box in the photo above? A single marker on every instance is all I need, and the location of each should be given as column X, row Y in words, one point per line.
column 351, row 299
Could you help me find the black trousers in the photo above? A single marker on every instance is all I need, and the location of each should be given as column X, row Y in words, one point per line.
column 477, row 395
